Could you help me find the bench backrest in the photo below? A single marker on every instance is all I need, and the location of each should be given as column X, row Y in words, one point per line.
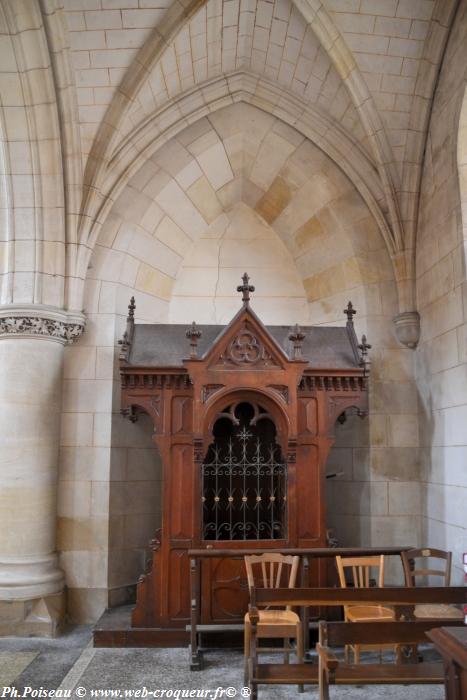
column 338, row 634
column 402, row 596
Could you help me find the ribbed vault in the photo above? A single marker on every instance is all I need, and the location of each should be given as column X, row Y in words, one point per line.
column 241, row 167
column 303, row 47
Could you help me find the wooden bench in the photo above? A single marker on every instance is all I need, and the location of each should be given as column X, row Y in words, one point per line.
column 333, row 671
column 407, row 632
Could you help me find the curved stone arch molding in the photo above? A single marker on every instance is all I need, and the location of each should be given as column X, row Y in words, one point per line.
column 414, row 152
column 7, row 220
column 462, row 167
column 237, row 86
column 174, row 19
column 314, row 13
column 430, row 66
column 31, row 57
column 63, row 76
column 327, row 135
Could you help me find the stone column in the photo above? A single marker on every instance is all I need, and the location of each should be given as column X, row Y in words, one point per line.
column 32, row 340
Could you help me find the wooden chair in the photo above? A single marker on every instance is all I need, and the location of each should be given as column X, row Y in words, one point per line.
column 398, row 634
column 361, row 568
column 418, row 570
column 271, row 570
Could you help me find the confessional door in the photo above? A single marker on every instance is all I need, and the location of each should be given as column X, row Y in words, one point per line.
column 243, row 503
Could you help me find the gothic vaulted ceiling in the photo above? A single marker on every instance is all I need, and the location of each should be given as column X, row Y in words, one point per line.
column 355, row 77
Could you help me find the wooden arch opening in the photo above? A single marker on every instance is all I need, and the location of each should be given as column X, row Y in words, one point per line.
column 244, row 477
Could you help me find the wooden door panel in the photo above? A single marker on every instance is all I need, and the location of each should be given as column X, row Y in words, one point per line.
column 181, row 498
column 178, row 589
column 307, row 417
column 229, row 597
column 308, row 488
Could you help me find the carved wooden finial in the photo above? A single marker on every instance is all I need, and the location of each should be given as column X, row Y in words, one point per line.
column 131, row 309
column 194, row 334
column 297, row 337
column 350, row 312
column 364, row 347
column 245, row 288
column 127, row 339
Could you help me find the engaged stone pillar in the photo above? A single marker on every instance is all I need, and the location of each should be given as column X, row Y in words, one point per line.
column 31, row 367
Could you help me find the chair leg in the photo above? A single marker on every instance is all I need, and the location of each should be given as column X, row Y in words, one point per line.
column 286, row 650
column 356, row 651
column 300, row 650
column 323, row 681
column 246, row 652
column 346, row 654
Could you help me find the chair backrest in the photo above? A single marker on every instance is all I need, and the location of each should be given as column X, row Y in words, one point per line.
column 360, row 569
column 418, row 564
column 271, row 570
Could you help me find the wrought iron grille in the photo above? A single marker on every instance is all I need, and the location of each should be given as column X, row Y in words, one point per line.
column 244, row 479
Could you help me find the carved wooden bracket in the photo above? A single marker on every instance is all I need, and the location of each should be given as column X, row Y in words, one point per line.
column 282, row 390
column 155, row 543
column 209, row 389
column 130, row 413
column 292, row 451
column 198, row 450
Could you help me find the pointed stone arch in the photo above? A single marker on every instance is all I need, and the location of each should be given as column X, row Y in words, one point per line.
column 397, row 206
column 176, row 17
column 170, row 202
column 312, row 124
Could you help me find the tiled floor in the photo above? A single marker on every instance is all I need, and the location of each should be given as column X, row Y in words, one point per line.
column 71, row 663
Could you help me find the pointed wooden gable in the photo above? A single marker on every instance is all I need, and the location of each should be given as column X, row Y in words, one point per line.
column 246, row 344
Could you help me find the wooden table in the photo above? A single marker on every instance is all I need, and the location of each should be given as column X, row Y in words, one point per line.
column 196, row 555
column 451, row 642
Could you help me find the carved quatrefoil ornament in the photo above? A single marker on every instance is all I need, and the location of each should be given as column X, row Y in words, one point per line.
column 245, row 348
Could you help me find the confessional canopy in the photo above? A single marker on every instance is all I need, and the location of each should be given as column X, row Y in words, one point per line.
column 244, row 418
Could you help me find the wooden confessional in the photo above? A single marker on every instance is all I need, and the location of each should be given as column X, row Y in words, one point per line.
column 244, row 418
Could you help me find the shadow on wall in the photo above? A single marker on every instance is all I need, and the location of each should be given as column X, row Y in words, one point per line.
column 135, row 503
column 358, row 498
column 348, row 493
column 443, row 512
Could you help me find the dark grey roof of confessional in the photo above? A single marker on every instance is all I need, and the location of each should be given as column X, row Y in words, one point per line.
column 166, row 344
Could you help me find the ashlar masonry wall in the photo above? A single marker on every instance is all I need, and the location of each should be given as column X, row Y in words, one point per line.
column 441, row 358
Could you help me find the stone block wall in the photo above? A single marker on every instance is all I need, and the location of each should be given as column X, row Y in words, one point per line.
column 441, row 358
column 183, row 143
column 238, row 190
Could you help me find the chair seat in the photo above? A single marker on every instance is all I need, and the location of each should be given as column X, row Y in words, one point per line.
column 368, row 613
column 276, row 617
column 438, row 611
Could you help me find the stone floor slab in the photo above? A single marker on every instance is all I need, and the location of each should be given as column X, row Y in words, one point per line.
column 13, row 663
column 70, row 661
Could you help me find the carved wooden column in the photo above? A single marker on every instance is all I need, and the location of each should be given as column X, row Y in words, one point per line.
column 31, row 357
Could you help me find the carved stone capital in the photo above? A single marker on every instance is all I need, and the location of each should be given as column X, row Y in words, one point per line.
column 39, row 321
column 407, row 326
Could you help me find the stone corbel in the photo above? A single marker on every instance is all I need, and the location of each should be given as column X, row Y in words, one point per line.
column 40, row 321
column 407, row 325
